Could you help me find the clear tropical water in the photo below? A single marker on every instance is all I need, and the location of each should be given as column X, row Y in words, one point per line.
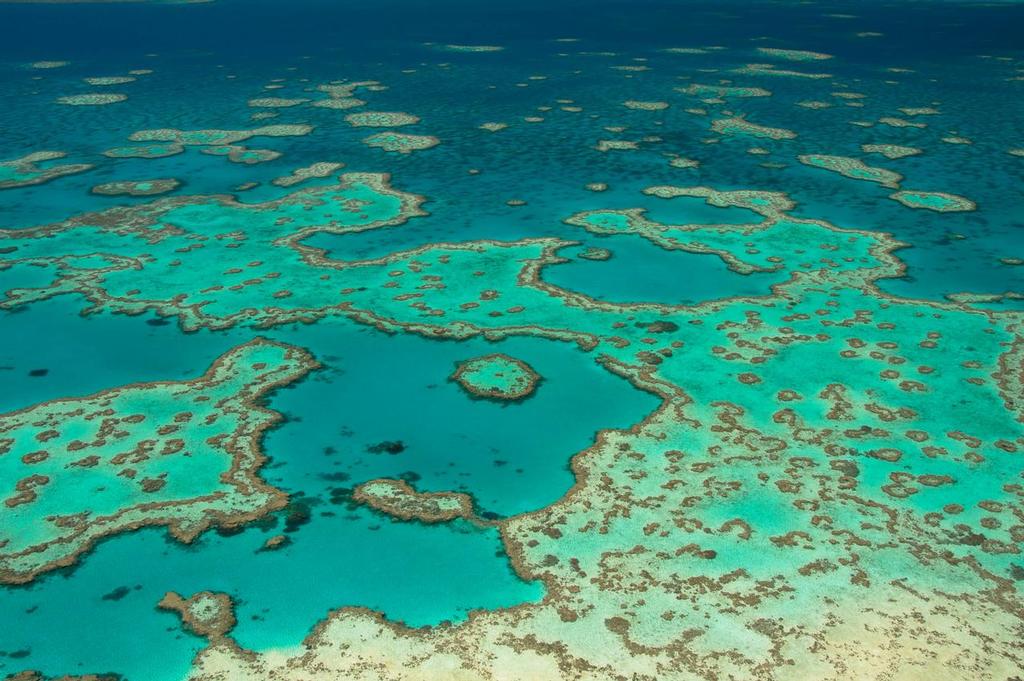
column 474, row 211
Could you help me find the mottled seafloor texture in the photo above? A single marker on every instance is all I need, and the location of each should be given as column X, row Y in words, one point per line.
column 403, row 340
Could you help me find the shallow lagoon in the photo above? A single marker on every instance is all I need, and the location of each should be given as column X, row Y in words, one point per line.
column 512, row 458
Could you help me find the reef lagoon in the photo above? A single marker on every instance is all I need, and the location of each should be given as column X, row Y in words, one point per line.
column 475, row 341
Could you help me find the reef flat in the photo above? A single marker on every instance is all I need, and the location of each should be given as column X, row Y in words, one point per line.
column 184, row 455
column 401, row 142
column 25, row 171
column 940, row 202
column 103, row 263
column 497, row 376
column 492, row 342
column 137, row 187
column 398, row 499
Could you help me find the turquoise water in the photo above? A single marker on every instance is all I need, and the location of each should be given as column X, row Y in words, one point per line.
column 512, row 458
column 652, row 274
column 382, row 405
